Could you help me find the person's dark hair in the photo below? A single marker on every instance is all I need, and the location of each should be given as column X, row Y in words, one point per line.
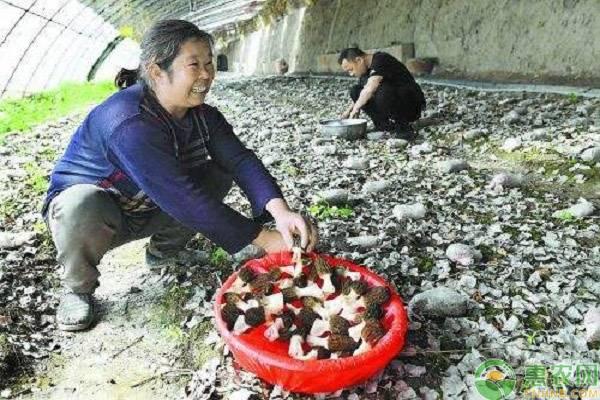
column 161, row 44
column 125, row 78
column 350, row 54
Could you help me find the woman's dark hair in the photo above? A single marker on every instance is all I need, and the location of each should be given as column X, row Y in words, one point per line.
column 160, row 45
column 350, row 54
column 125, row 78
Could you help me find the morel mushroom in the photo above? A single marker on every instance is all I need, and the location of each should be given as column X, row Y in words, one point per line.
column 333, row 342
column 324, row 271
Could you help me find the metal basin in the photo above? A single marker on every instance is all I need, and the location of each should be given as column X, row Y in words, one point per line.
column 350, row 129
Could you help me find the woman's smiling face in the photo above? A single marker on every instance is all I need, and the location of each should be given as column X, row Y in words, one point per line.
column 187, row 81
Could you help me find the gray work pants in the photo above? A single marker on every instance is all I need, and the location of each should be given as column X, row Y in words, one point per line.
column 86, row 222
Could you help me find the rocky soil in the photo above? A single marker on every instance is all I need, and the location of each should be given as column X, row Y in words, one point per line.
column 487, row 226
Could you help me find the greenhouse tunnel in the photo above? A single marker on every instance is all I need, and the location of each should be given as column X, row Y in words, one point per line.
column 442, row 155
column 44, row 43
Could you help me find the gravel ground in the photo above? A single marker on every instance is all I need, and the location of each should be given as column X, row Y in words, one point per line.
column 487, row 226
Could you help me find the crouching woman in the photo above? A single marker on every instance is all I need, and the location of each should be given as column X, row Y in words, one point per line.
column 155, row 160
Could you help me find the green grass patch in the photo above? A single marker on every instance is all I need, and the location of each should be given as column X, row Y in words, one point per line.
column 169, row 315
column 20, row 115
column 536, row 322
column 291, row 170
column 489, row 312
column 533, row 157
column 37, row 180
column 322, row 211
column 169, row 312
column 425, row 264
column 9, row 210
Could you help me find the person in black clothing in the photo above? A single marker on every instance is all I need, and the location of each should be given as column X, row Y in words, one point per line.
column 386, row 91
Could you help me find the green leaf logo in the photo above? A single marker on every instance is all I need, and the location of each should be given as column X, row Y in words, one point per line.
column 495, row 379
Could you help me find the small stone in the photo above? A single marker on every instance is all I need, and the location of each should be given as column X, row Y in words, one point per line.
column 242, row 394
column 540, row 134
column 453, row 385
column 505, row 180
column 397, row 143
column 551, row 240
column 512, row 117
column 306, row 130
column 468, row 281
column 283, row 124
column 409, row 211
column 428, row 394
column 474, row 134
column 580, row 210
column 591, row 321
column 404, row 391
column 439, row 302
column 553, row 286
column 375, row 186
column 366, row 242
column 591, row 155
column 376, row 135
column 573, row 314
column 534, row 279
column 511, row 324
column 421, row 149
column 11, row 240
column 512, row 144
column 414, row 371
column 451, row 166
column 270, row 160
column 463, row 254
column 325, row 150
column 333, row 197
column 357, row 163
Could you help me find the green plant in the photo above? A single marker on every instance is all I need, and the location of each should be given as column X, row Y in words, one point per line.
column 219, row 257
column 531, row 337
column 291, row 170
column 322, row 210
column 573, row 98
column 20, row 115
column 565, row 215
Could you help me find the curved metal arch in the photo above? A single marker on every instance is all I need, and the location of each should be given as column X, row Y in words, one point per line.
column 43, row 57
column 12, row 74
column 25, row 12
column 67, row 48
column 28, row 11
column 87, row 49
column 108, row 19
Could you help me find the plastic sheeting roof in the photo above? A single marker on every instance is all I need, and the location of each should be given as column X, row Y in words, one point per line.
column 46, row 42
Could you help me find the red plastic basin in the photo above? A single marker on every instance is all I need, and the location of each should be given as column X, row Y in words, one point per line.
column 270, row 360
